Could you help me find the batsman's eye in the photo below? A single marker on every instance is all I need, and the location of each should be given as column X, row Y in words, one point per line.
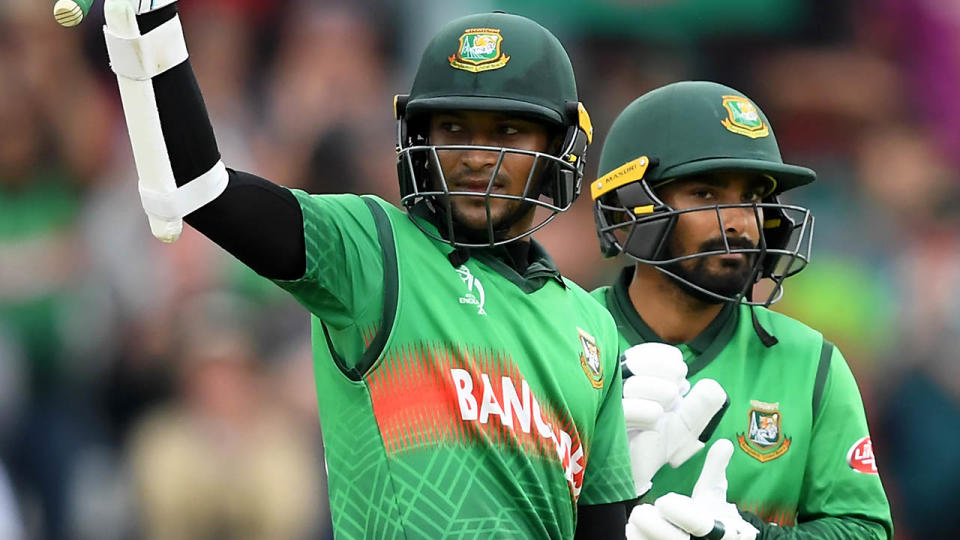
column 703, row 194
column 754, row 195
column 451, row 127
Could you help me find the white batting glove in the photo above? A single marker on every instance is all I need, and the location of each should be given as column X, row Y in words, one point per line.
column 705, row 514
column 664, row 421
column 145, row 6
column 137, row 59
column 656, row 383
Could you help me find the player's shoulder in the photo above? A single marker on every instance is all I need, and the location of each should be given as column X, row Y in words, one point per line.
column 788, row 331
column 319, row 206
column 600, row 294
column 591, row 306
column 388, row 207
column 581, row 294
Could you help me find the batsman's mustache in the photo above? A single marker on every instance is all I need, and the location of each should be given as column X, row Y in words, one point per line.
column 717, row 244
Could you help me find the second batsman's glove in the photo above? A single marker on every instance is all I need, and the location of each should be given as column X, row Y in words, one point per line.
column 705, row 514
column 665, row 422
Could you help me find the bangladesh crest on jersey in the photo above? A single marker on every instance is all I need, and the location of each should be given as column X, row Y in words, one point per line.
column 764, row 439
column 743, row 117
column 590, row 359
column 479, row 50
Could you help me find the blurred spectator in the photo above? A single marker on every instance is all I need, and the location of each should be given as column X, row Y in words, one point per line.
column 51, row 147
column 221, row 461
column 329, row 69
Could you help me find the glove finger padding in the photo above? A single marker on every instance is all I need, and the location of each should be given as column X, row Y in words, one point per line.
column 685, row 513
column 646, row 523
column 696, row 410
column 641, row 414
column 653, row 372
column 707, row 513
column 700, row 522
column 655, row 360
column 657, row 437
column 712, row 484
column 666, row 393
column 647, row 456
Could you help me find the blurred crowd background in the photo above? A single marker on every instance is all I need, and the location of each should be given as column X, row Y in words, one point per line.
column 165, row 392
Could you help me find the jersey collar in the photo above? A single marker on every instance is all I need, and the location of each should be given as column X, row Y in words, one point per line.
column 704, row 347
column 540, row 268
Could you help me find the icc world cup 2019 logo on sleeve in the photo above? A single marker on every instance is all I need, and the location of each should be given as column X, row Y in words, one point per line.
column 764, row 439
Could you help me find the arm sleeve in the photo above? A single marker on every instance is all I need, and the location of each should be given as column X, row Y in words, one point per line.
column 608, row 477
column 259, row 223
column 840, row 502
column 608, row 521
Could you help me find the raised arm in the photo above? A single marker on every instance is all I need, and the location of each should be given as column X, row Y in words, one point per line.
column 178, row 162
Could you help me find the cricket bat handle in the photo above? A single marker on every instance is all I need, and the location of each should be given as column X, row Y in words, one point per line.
column 70, row 13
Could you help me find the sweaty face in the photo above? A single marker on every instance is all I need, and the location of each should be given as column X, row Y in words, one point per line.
column 472, row 171
column 704, row 231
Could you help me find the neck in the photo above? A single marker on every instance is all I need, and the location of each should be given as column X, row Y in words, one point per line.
column 518, row 255
column 523, row 223
column 670, row 312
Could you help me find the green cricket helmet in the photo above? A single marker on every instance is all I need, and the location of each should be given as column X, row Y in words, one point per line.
column 689, row 129
column 500, row 63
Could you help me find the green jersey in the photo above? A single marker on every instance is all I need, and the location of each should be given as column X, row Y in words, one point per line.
column 468, row 401
column 802, row 450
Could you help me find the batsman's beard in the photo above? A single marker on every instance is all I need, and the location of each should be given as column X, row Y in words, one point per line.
column 735, row 277
column 474, row 231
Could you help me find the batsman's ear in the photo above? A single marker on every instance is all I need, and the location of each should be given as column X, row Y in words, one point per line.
column 400, row 105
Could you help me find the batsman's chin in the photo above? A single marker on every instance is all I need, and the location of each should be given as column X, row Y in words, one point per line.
column 475, row 219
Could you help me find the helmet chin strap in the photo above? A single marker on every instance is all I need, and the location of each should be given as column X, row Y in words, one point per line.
column 766, row 338
column 459, row 256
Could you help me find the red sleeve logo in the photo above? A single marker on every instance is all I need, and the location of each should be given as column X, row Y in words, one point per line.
column 860, row 457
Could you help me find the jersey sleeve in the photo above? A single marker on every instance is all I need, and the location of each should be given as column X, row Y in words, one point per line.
column 343, row 282
column 826, row 528
column 608, row 477
column 841, row 478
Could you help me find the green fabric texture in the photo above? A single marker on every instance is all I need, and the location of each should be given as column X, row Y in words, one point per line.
column 789, row 466
column 694, row 127
column 827, row 528
column 344, row 275
column 462, row 426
